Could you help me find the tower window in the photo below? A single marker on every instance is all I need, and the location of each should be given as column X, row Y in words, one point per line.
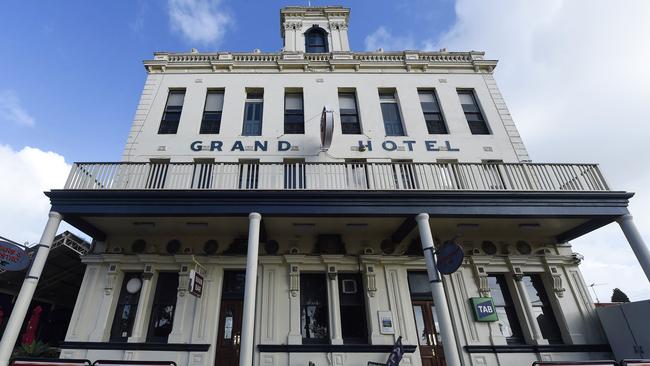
column 473, row 113
column 316, row 40
column 172, row 114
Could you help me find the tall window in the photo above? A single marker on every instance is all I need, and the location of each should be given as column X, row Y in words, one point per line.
column 316, row 40
column 353, row 308
column 391, row 114
column 294, row 114
column 164, row 304
column 349, row 113
column 172, row 114
column 127, row 305
column 432, row 114
column 508, row 321
column 542, row 310
column 253, row 113
column 314, row 320
column 473, row 113
column 211, row 122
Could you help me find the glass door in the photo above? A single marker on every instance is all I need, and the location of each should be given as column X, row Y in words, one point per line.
column 429, row 341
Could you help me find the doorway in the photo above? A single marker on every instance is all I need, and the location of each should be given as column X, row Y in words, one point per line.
column 230, row 319
column 426, row 320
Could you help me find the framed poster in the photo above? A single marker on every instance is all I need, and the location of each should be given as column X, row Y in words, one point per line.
column 386, row 322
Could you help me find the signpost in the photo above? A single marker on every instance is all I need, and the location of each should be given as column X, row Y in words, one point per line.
column 484, row 310
column 326, row 128
column 12, row 257
column 196, row 284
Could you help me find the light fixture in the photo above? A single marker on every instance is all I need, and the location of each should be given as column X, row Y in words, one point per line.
column 134, row 285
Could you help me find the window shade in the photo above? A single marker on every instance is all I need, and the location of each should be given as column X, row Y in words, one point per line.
column 293, row 101
column 214, row 102
column 176, row 98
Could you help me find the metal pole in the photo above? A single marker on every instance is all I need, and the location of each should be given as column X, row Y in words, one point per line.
column 438, row 292
column 21, row 307
column 636, row 242
column 248, row 316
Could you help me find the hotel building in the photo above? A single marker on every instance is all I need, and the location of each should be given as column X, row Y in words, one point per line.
column 301, row 186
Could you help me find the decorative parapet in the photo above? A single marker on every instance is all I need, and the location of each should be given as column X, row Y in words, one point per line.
column 407, row 60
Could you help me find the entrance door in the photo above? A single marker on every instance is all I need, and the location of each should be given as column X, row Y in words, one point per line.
column 229, row 333
column 429, row 341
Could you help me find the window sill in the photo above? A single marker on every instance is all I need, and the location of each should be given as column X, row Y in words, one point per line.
column 539, row 348
column 325, row 348
column 179, row 347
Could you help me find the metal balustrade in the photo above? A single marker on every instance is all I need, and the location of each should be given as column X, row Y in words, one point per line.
column 337, row 176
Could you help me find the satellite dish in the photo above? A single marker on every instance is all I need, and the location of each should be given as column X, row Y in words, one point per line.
column 326, row 128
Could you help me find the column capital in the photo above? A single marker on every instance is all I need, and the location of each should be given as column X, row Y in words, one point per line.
column 624, row 218
column 422, row 216
column 254, row 216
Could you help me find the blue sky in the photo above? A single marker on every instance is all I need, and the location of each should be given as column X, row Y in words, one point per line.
column 76, row 65
column 573, row 73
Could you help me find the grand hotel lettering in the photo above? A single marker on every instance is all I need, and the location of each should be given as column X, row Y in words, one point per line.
column 263, row 145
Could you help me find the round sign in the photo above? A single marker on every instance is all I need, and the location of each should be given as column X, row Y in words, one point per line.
column 449, row 257
column 326, row 128
column 12, row 257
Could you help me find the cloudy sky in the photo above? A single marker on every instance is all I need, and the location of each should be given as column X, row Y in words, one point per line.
column 573, row 73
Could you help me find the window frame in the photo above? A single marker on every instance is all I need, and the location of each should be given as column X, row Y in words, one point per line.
column 322, row 34
column 300, row 130
column 121, row 302
column 357, row 130
column 204, row 128
column 484, row 128
column 393, row 101
column 249, row 101
column 161, row 303
column 509, row 305
column 442, row 121
column 546, row 306
column 360, row 293
column 325, row 304
column 167, row 125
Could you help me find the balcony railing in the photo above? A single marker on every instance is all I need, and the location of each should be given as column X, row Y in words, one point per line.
column 337, row 176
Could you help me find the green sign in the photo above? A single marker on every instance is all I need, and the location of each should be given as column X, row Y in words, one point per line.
column 484, row 310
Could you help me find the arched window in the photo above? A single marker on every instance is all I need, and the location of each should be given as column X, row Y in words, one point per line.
column 316, row 40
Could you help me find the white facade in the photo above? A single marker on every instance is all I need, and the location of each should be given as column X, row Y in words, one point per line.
column 514, row 236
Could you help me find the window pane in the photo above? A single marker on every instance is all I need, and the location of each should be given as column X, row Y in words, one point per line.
column 392, row 120
column 164, row 304
column 293, row 101
column 214, row 102
column 387, row 95
column 176, row 98
column 353, row 308
column 466, row 98
column 419, row 325
column 313, row 303
column 419, row 283
column 127, row 305
column 347, row 101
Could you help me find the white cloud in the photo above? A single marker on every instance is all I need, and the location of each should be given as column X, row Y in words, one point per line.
column 574, row 76
column 12, row 111
column 200, row 21
column 383, row 38
column 26, row 174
